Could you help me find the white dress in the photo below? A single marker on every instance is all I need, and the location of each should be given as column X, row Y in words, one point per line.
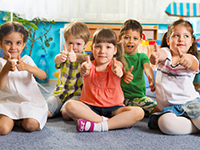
column 21, row 97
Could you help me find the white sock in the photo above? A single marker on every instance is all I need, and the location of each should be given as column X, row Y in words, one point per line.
column 101, row 126
column 105, row 118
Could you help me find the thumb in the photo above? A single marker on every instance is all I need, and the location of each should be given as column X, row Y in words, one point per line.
column 130, row 70
column 179, row 52
column 71, row 48
column 88, row 59
column 64, row 46
column 114, row 62
column 9, row 56
column 18, row 57
column 156, row 48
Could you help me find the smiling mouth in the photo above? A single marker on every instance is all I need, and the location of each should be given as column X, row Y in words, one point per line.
column 130, row 46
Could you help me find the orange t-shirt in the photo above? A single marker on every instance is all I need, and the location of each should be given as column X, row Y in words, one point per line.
column 102, row 88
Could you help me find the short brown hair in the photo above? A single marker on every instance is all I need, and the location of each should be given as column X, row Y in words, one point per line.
column 77, row 30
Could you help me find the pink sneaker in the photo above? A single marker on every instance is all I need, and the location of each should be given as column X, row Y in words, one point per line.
column 81, row 125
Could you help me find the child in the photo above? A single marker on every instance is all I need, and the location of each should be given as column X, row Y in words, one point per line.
column 69, row 83
column 102, row 96
column 135, row 91
column 20, row 98
column 175, row 93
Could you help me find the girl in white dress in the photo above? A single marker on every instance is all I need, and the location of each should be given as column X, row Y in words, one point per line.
column 20, row 97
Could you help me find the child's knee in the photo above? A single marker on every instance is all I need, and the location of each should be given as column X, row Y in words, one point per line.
column 5, row 129
column 30, row 124
column 70, row 107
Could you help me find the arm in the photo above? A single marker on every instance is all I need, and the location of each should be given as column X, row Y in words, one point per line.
column 188, row 61
column 158, row 55
column 149, row 73
column 9, row 66
column 32, row 69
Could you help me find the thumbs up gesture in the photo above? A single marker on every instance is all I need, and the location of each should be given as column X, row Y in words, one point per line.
column 85, row 67
column 72, row 54
column 10, row 65
column 64, row 54
column 20, row 64
column 128, row 76
column 117, row 70
column 185, row 59
column 154, row 58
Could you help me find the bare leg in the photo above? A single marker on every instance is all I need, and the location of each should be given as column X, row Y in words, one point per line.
column 156, row 109
column 30, row 124
column 170, row 123
column 76, row 110
column 6, row 124
column 49, row 114
column 196, row 122
column 125, row 117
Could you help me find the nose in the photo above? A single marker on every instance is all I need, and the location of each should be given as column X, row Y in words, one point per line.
column 102, row 49
column 181, row 38
column 13, row 46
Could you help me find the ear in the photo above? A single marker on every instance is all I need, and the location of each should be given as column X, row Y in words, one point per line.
column 85, row 45
column 141, row 41
column 167, row 40
column 91, row 48
column 119, row 37
column 115, row 50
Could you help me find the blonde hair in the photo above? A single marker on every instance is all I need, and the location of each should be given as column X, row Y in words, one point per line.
column 78, row 30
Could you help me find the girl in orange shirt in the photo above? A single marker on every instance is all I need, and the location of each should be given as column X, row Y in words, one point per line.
column 102, row 97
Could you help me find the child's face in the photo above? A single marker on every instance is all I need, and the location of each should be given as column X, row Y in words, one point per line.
column 103, row 52
column 131, row 40
column 180, row 38
column 13, row 44
column 78, row 44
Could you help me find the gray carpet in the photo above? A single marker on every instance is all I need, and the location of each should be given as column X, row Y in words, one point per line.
column 59, row 134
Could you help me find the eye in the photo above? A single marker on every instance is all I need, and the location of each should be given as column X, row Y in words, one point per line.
column 7, row 42
column 135, row 39
column 19, row 42
column 187, row 36
column 108, row 47
column 97, row 46
column 78, row 43
column 176, row 35
column 126, row 37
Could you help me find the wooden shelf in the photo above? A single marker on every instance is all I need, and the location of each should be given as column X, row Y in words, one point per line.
column 151, row 32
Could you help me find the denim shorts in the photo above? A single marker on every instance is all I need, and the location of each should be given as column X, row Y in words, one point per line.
column 190, row 109
column 56, row 105
column 104, row 111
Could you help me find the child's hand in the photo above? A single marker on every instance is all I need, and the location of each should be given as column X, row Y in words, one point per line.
column 154, row 57
column 71, row 54
column 151, row 84
column 116, row 69
column 64, row 54
column 85, row 67
column 185, row 61
column 10, row 65
column 20, row 64
column 128, row 76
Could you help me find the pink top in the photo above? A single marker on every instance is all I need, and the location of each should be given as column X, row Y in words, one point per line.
column 102, row 89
